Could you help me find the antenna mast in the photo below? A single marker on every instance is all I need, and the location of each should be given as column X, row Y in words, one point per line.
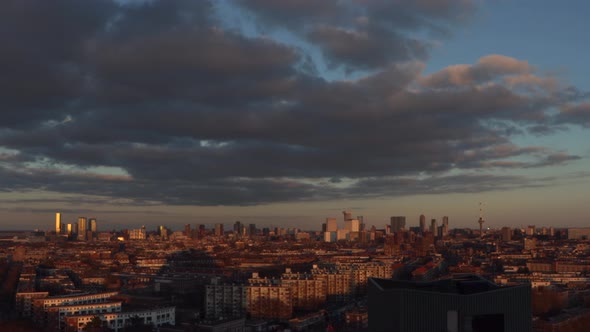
column 481, row 220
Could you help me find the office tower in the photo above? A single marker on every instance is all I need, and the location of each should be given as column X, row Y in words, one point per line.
column 57, row 223
column 347, row 215
column 433, row 226
column 163, row 232
column 361, row 220
column 398, row 223
column 531, row 230
column 92, row 222
column 218, row 229
column 82, row 227
column 202, row 230
column 70, row 229
column 352, row 225
column 238, row 228
column 355, row 225
column 445, row 225
column 506, row 234
column 461, row 303
column 331, row 225
column 252, row 229
column 187, row 230
column 137, row 234
column 422, row 223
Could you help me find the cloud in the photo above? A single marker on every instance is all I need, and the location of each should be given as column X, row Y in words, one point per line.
column 362, row 35
column 578, row 114
column 180, row 110
column 486, row 69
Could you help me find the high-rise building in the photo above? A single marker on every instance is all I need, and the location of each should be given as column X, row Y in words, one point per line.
column 352, row 225
column 531, row 230
column 238, row 228
column 433, row 226
column 218, row 229
column 138, row 234
column 187, row 230
column 361, row 222
column 506, row 234
column 422, row 223
column 202, row 230
column 82, row 227
column 355, row 225
column 163, row 232
column 252, row 229
column 331, row 225
column 92, row 222
column 347, row 215
column 57, row 223
column 398, row 223
column 445, row 226
column 70, row 229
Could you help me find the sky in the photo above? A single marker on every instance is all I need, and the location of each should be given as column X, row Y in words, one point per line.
column 284, row 113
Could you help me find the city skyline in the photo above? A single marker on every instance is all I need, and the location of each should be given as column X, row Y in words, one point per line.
column 287, row 112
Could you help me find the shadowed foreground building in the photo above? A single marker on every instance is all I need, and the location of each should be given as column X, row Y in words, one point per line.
column 464, row 303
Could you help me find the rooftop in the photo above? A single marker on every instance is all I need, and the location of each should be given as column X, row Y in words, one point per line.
column 463, row 284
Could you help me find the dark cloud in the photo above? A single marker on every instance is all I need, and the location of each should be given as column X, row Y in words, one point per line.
column 42, row 49
column 182, row 111
column 362, row 34
column 366, row 49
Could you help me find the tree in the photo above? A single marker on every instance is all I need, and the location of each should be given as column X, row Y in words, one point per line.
column 95, row 325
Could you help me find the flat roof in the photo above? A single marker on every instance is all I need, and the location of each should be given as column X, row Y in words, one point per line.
column 463, row 284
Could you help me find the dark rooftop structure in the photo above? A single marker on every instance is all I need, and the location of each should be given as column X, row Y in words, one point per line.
column 463, row 303
column 458, row 284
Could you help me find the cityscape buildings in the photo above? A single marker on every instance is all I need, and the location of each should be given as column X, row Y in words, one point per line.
column 350, row 279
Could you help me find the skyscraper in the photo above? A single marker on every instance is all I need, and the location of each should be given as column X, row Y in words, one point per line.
column 347, row 215
column 422, row 223
column 331, row 225
column 93, row 226
column 238, row 228
column 163, row 232
column 361, row 222
column 506, row 234
column 352, row 225
column 82, row 227
column 218, row 229
column 445, row 226
column 398, row 223
column 433, row 226
column 57, row 223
